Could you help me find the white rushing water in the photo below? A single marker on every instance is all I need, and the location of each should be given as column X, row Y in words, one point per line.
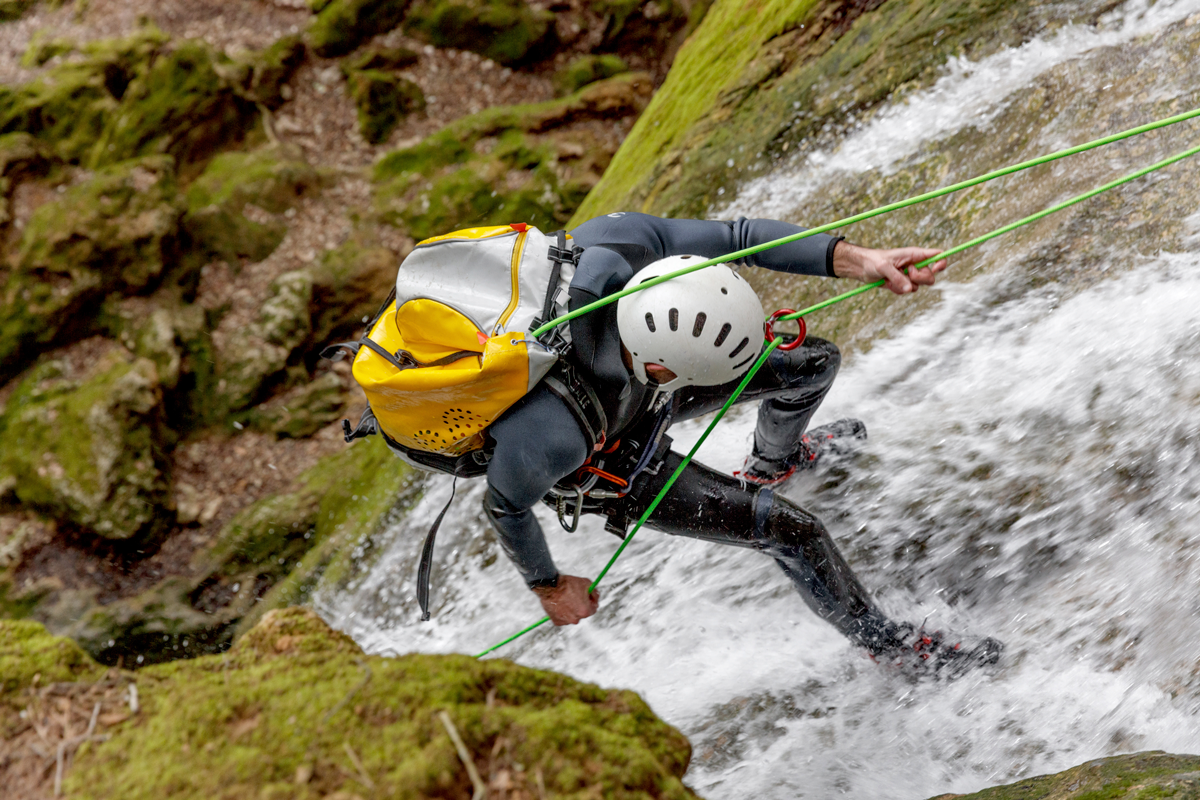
column 1032, row 473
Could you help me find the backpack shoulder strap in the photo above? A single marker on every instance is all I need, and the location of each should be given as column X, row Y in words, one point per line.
column 565, row 382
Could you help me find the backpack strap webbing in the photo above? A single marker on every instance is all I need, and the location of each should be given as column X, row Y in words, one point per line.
column 564, row 381
column 560, row 254
column 426, row 565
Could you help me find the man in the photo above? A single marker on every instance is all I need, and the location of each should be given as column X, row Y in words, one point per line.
column 541, row 452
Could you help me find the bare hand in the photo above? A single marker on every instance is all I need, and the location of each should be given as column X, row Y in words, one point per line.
column 868, row 266
column 569, row 601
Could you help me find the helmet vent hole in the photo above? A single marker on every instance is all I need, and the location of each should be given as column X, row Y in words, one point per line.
column 650, row 322
column 724, row 290
column 698, row 327
column 723, row 335
column 673, row 319
column 741, row 346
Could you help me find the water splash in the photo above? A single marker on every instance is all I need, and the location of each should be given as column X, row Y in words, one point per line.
column 1033, row 473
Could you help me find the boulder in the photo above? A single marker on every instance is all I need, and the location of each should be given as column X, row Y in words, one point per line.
column 269, row 70
column 297, row 710
column 113, row 233
column 532, row 163
column 304, row 410
column 271, row 554
column 1122, row 777
column 510, row 32
column 381, row 58
column 349, row 283
column 270, row 179
column 587, row 69
column 383, row 101
column 342, row 25
column 251, row 356
column 86, row 450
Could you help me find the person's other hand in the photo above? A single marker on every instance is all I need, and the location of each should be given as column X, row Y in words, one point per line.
column 868, row 265
column 569, row 601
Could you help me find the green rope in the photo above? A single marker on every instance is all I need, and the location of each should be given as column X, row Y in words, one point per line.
column 762, row 359
column 749, row 251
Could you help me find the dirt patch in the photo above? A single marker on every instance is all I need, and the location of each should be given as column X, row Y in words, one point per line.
column 38, row 742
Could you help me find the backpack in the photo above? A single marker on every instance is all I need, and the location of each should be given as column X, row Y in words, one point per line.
column 451, row 350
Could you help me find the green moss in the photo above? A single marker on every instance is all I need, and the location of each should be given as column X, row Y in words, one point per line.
column 87, row 451
column 354, row 491
column 254, row 355
column 303, row 411
column 42, row 48
column 294, row 696
column 348, row 283
column 756, row 76
column 638, row 26
column 383, row 101
column 343, row 25
column 215, row 224
column 1125, row 777
column 113, row 233
column 381, row 58
column 271, row 69
column 588, row 69
column 182, row 106
column 507, row 31
column 72, row 104
column 28, row 651
column 14, row 9
column 505, row 163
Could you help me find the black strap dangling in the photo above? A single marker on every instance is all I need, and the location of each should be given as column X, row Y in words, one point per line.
column 426, row 564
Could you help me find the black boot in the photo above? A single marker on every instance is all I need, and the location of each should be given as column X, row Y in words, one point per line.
column 836, row 438
column 920, row 652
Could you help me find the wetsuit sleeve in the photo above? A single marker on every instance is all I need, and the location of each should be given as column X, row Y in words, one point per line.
column 709, row 238
column 537, row 442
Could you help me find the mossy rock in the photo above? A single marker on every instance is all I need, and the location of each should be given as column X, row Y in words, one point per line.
column 116, row 232
column 1137, row 776
column 639, row 26
column 754, row 79
column 87, row 451
column 294, row 698
column 587, row 69
column 271, row 554
column 383, row 101
column 380, row 58
column 42, row 48
column 357, row 493
column 506, row 163
column 303, row 411
column 270, row 69
column 183, row 106
column 21, row 157
column 255, row 355
column 15, row 9
column 348, row 284
column 509, row 32
column 270, row 179
column 73, row 104
column 27, row 650
column 342, row 25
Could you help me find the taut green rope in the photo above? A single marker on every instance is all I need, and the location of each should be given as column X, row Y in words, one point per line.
column 1070, row 151
column 770, row 348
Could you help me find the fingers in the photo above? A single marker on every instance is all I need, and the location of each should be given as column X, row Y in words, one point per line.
column 905, row 261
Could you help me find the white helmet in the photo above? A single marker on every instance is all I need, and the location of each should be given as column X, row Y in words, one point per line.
column 706, row 326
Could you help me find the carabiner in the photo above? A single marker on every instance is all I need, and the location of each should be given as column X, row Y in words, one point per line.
column 769, row 329
column 562, row 507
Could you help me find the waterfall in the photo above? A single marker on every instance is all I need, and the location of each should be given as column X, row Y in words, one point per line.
column 1032, row 473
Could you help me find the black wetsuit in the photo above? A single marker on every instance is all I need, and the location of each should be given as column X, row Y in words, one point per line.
column 538, row 442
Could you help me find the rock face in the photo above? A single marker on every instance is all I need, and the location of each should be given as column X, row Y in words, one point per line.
column 88, row 450
column 315, row 717
column 530, row 162
column 1127, row 777
column 191, row 211
column 113, row 233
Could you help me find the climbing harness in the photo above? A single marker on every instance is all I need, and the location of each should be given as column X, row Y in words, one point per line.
column 773, row 342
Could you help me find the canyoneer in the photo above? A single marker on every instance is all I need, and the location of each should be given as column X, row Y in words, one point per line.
column 578, row 419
